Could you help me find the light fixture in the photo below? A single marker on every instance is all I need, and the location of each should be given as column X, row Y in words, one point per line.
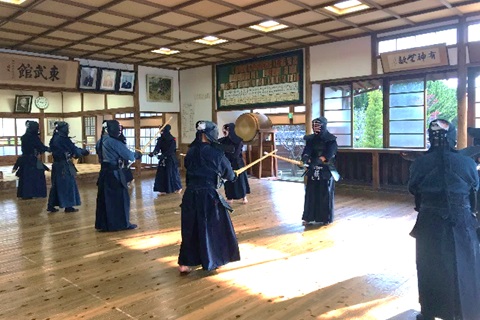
column 13, row 1
column 268, row 26
column 210, row 40
column 165, row 51
column 348, row 6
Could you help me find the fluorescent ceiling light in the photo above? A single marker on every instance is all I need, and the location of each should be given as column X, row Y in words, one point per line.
column 13, row 1
column 348, row 6
column 210, row 40
column 165, row 51
column 268, row 26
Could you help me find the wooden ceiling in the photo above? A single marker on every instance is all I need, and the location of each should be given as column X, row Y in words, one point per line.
column 126, row 31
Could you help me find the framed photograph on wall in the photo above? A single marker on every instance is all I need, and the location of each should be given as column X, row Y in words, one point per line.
column 51, row 126
column 127, row 81
column 88, row 78
column 159, row 88
column 108, row 79
column 23, row 104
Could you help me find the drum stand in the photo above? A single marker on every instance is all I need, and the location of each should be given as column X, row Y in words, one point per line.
column 265, row 143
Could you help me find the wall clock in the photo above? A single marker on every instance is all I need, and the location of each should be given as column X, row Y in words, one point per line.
column 41, row 102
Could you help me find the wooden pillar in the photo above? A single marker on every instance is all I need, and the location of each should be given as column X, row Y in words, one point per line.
column 462, row 85
column 376, row 170
column 471, row 113
column 214, row 96
column 373, row 50
column 308, row 94
column 136, row 122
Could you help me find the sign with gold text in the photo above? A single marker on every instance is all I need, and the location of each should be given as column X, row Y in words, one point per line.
column 416, row 58
column 22, row 70
column 264, row 82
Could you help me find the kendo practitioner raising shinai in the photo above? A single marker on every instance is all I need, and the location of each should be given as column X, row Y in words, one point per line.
column 113, row 200
column 167, row 179
column 208, row 236
column 233, row 151
column 29, row 169
column 64, row 192
column 318, row 156
column 444, row 183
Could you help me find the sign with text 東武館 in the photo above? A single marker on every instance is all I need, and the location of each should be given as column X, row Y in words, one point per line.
column 34, row 71
column 415, row 58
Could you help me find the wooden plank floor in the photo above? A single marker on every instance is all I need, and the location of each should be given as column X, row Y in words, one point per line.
column 56, row 266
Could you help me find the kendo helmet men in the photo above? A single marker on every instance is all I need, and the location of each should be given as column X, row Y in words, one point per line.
column 62, row 128
column 32, row 127
column 475, row 134
column 113, row 128
column 210, row 130
column 167, row 128
column 442, row 134
column 319, row 125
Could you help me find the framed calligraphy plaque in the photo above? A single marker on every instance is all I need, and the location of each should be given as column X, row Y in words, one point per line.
column 33, row 71
column 263, row 82
column 415, row 58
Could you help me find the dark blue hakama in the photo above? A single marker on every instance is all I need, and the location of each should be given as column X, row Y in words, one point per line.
column 208, row 236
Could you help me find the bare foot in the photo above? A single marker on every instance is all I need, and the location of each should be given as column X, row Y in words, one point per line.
column 185, row 269
column 245, row 200
column 230, row 201
column 178, row 191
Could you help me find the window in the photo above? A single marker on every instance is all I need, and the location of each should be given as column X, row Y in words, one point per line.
column 299, row 109
column 11, row 130
column 368, row 114
column 290, row 143
column 142, row 115
column 124, row 115
column 448, row 36
column 147, row 135
column 129, row 134
column 441, row 98
column 407, row 113
column 272, row 110
column 338, row 111
column 90, row 129
column 474, row 32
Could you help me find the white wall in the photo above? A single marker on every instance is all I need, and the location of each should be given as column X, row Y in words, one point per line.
column 342, row 59
column 115, row 101
column 75, row 128
column 196, row 100
column 72, row 102
column 7, row 99
column 225, row 117
column 146, row 106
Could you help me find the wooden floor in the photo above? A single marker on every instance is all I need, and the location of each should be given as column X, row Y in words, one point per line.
column 56, row 266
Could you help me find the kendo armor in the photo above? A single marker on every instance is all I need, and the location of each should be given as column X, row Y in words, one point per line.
column 319, row 139
column 442, row 134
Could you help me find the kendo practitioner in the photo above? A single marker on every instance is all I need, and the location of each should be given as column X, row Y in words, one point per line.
column 113, row 200
column 64, row 192
column 29, row 168
column 234, row 148
column 444, row 184
column 126, row 169
column 475, row 134
column 167, row 178
column 318, row 157
column 208, row 237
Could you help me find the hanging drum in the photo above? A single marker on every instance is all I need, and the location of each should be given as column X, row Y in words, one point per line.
column 248, row 125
